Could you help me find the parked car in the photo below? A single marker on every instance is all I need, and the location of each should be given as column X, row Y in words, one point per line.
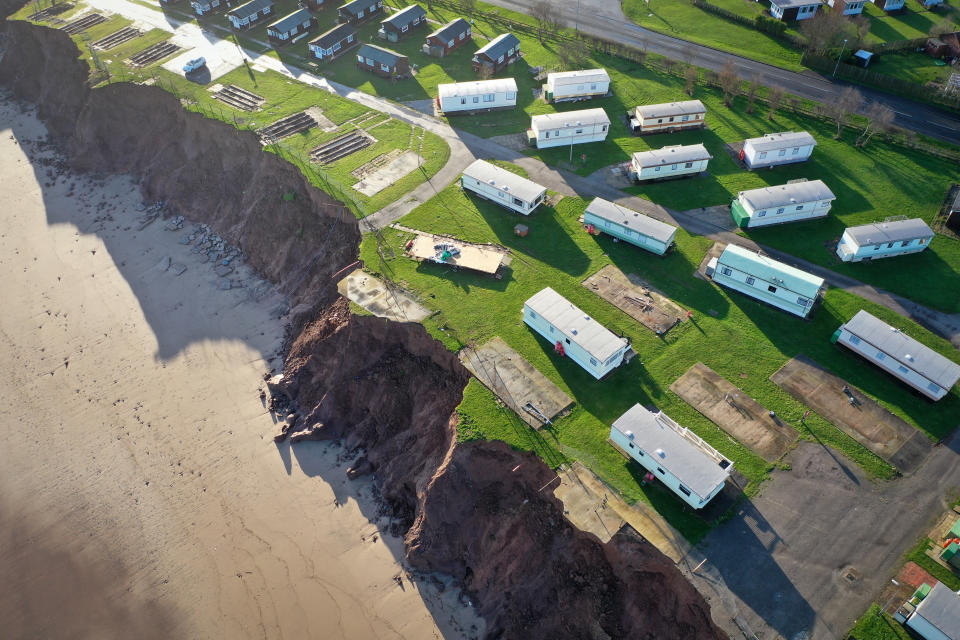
column 195, row 65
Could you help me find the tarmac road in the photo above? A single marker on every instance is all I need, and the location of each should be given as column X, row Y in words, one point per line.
column 604, row 19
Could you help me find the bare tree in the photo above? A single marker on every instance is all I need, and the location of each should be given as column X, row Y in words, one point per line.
column 775, row 97
column 546, row 16
column 827, row 30
column 640, row 55
column 573, row 54
column 689, row 52
column 752, row 87
column 691, row 75
column 670, row 65
column 729, row 81
column 467, row 6
column 879, row 119
column 838, row 110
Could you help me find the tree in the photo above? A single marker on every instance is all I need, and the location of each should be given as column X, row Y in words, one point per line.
column 729, row 82
column 827, row 30
column 467, row 6
column 752, row 88
column 573, row 54
column 691, row 75
column 548, row 20
column 838, row 110
column 774, row 98
column 879, row 119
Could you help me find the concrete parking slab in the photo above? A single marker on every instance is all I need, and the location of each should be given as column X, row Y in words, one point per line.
column 384, row 177
column 857, row 415
column 735, row 412
column 529, row 393
column 637, row 298
column 222, row 57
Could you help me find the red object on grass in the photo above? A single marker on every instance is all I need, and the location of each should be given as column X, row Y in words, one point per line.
column 559, row 348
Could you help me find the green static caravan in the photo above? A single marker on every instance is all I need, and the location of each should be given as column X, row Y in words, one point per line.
column 630, row 226
column 792, row 202
column 766, row 279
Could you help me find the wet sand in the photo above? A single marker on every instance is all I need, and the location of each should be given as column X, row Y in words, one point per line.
column 141, row 493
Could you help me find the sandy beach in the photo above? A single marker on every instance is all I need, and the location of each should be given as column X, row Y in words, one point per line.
column 141, row 492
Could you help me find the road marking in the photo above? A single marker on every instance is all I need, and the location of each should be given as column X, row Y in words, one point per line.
column 943, row 126
column 905, row 115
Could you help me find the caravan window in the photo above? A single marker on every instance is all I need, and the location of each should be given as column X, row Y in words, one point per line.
column 488, row 97
column 903, row 369
column 761, row 213
column 933, row 387
column 802, row 301
column 593, row 361
column 511, row 95
column 880, row 355
column 463, row 101
column 772, row 289
column 684, row 490
column 783, row 152
column 751, row 279
column 726, row 271
column 476, row 99
column 854, row 340
column 796, row 150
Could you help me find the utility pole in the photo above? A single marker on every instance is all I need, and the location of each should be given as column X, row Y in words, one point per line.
column 840, row 57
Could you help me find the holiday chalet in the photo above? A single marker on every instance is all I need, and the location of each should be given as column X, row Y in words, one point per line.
column 496, row 54
column 244, row 16
column 402, row 23
column 331, row 44
column 447, row 38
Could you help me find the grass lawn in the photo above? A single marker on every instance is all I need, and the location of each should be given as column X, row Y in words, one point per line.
column 871, row 626
column 739, row 338
column 912, row 67
column 915, row 21
column 945, row 576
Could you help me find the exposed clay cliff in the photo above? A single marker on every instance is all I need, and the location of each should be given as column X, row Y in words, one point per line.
column 472, row 510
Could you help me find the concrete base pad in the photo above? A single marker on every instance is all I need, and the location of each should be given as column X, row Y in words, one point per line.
column 380, row 299
column 735, row 412
column 515, row 381
column 635, row 297
column 865, row 421
column 383, row 178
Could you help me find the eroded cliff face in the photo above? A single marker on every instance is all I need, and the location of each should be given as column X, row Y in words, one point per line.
column 473, row 510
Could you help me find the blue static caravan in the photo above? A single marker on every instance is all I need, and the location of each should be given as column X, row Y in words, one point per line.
column 680, row 459
column 630, row 226
column 766, row 279
column 884, row 240
column 575, row 334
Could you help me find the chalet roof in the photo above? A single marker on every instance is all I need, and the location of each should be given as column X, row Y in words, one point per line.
column 290, row 21
column 568, row 119
column 770, row 270
column 790, row 4
column 650, row 227
column 491, row 174
column 498, row 46
column 670, row 109
column 379, row 54
column 784, row 195
column 562, row 78
column 682, row 453
column 780, row 140
column 670, row 155
column 337, row 34
column 451, row 30
column 904, row 349
column 893, row 231
column 574, row 324
column 477, row 87
column 355, row 6
column 405, row 16
column 250, row 8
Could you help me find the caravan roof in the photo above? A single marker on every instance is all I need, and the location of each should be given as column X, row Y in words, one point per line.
column 504, row 180
column 766, row 268
column 650, row 227
column 572, row 323
column 784, row 195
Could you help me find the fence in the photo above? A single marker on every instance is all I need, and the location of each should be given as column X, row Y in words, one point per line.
column 771, row 26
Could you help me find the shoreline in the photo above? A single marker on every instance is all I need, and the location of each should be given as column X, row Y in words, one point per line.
column 139, row 455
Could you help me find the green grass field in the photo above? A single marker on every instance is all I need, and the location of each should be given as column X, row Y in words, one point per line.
column 739, row 338
column 872, row 626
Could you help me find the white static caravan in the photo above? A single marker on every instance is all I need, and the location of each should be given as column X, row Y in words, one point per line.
column 503, row 187
column 777, row 148
column 884, row 240
column 898, row 354
column 630, row 226
column 680, row 459
column 669, row 116
column 569, row 127
column 797, row 200
column 477, row 96
column 766, row 279
column 576, row 85
column 669, row 162
column 575, row 334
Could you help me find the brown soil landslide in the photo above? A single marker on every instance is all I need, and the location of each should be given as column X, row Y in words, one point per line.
column 474, row 510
